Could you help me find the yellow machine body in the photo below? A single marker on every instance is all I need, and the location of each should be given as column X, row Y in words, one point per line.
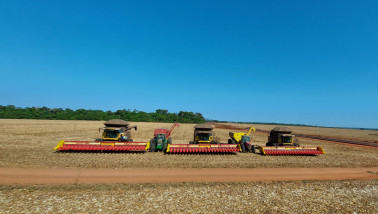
column 201, row 140
column 286, row 139
column 112, row 134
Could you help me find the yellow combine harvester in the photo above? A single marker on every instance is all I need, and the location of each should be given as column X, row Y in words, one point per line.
column 281, row 141
column 116, row 136
column 204, row 142
column 243, row 140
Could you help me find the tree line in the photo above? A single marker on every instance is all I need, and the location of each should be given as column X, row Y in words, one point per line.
column 160, row 115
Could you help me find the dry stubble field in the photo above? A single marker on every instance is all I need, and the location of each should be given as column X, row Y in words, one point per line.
column 29, row 143
column 256, row 197
column 351, row 134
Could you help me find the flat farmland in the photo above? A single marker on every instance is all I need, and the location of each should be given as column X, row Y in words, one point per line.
column 30, row 143
column 350, row 196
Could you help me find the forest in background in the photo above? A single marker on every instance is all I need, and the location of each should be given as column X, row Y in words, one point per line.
column 160, row 115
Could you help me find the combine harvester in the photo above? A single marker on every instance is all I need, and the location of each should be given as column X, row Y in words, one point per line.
column 243, row 140
column 281, row 141
column 161, row 139
column 115, row 137
column 204, row 142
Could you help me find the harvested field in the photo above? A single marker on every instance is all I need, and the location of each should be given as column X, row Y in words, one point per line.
column 29, row 143
column 349, row 134
column 257, row 197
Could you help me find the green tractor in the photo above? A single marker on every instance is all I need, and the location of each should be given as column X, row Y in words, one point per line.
column 161, row 139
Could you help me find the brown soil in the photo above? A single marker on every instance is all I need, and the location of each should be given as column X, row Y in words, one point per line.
column 164, row 175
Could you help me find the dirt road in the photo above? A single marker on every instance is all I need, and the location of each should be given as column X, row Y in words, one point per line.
column 21, row 176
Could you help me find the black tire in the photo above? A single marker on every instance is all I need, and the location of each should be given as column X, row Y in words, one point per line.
column 296, row 144
column 248, row 147
column 169, row 141
column 165, row 145
column 191, row 142
column 242, row 147
column 253, row 149
column 152, row 145
column 229, row 141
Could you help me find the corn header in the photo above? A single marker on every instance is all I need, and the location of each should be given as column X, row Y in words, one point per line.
column 116, row 136
column 281, row 141
column 204, row 141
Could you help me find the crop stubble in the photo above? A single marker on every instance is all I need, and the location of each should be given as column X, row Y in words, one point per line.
column 257, row 197
column 29, row 143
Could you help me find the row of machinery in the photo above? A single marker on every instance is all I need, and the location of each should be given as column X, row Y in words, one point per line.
column 116, row 136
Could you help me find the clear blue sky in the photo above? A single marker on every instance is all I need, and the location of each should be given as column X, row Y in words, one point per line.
column 311, row 62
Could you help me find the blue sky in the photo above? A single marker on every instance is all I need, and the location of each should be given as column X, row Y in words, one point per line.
column 311, row 62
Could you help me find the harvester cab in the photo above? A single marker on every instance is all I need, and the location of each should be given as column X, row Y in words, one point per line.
column 204, row 141
column 287, row 139
column 281, row 141
column 161, row 139
column 117, row 130
column 203, row 133
column 244, row 140
column 282, row 136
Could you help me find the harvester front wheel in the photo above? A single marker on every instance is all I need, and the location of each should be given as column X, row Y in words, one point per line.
column 169, row 141
column 253, row 149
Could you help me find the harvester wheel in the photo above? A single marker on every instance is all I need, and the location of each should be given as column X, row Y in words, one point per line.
column 152, row 145
column 229, row 141
column 296, row 144
column 253, row 149
column 191, row 142
column 169, row 141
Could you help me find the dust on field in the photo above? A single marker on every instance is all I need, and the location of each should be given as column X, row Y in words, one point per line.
column 30, row 143
column 257, row 197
